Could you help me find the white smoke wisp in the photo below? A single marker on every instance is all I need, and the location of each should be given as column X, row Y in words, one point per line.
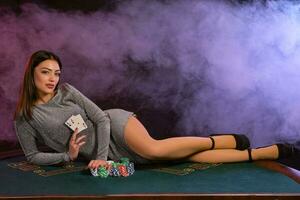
column 221, row 67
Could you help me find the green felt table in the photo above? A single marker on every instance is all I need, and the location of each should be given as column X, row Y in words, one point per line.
column 186, row 178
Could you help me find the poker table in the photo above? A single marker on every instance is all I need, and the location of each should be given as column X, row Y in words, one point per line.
column 19, row 179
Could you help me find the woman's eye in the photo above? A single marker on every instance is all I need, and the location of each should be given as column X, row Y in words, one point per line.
column 44, row 72
column 57, row 74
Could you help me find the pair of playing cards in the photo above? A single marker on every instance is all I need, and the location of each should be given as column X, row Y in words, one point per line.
column 76, row 121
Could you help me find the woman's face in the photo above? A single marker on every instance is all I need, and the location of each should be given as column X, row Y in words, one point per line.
column 46, row 77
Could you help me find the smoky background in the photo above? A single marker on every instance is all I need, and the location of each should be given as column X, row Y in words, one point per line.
column 184, row 67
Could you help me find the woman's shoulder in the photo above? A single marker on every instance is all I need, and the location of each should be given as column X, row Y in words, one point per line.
column 20, row 120
column 66, row 87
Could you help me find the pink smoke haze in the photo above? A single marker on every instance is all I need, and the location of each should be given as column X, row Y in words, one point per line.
column 220, row 67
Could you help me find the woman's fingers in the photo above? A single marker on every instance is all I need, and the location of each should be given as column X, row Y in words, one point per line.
column 80, row 144
column 80, row 139
column 74, row 135
column 75, row 143
column 91, row 164
column 94, row 164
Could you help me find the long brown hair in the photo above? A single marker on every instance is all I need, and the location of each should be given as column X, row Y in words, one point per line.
column 28, row 92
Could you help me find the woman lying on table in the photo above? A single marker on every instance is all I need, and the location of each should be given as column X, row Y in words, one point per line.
column 45, row 105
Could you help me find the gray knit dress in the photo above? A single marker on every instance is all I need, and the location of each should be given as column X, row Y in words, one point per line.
column 104, row 135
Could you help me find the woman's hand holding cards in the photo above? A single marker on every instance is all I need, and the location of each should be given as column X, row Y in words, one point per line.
column 75, row 144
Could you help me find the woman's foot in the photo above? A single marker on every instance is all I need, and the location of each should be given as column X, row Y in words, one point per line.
column 286, row 150
column 263, row 153
column 273, row 152
column 230, row 141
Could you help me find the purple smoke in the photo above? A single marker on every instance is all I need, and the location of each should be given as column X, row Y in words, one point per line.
column 219, row 67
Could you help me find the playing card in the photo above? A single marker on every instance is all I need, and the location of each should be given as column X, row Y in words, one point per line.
column 79, row 123
column 71, row 123
column 76, row 121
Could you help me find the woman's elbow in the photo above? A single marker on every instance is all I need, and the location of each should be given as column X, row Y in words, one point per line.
column 35, row 159
column 103, row 119
column 31, row 159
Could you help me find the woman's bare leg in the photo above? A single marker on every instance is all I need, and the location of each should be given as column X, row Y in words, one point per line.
column 232, row 155
column 139, row 140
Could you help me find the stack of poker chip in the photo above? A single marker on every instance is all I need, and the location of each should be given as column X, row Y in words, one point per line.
column 123, row 168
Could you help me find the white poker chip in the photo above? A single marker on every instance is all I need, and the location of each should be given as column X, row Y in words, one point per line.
column 94, row 172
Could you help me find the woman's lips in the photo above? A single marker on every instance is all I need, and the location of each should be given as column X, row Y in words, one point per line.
column 50, row 86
